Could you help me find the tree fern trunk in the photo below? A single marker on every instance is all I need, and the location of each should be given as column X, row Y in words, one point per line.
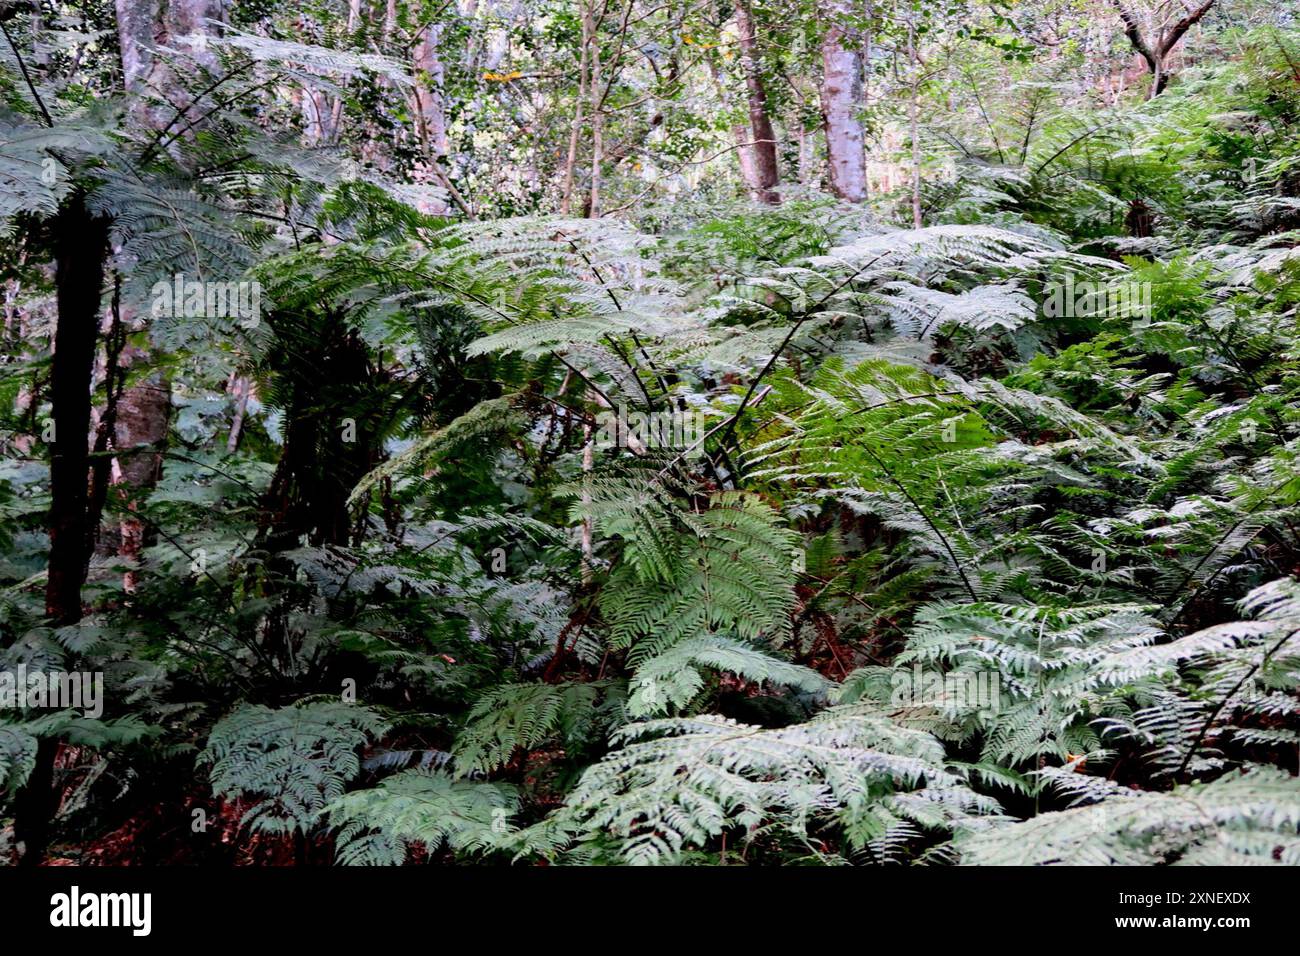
column 36, row 804
column 80, row 248
column 81, row 245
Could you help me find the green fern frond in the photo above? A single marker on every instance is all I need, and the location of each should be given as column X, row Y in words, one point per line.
column 289, row 762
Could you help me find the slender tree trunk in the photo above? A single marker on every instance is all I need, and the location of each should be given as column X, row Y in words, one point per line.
column 805, row 154
column 321, row 111
column 763, row 137
column 316, row 114
column 80, row 249
column 575, row 131
column 373, row 151
column 140, row 432
column 841, row 91
column 740, row 134
column 239, row 388
column 336, row 104
column 588, row 463
column 430, row 107
column 36, row 804
column 597, row 132
column 913, row 109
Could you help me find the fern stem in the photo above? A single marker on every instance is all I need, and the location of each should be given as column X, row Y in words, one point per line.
column 926, row 517
column 27, row 77
column 154, row 144
column 809, row 313
column 1182, row 767
column 1209, row 554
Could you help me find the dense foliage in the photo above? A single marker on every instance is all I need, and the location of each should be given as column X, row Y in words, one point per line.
column 550, row 489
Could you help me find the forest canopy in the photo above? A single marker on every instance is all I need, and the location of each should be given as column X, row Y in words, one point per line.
column 590, row 432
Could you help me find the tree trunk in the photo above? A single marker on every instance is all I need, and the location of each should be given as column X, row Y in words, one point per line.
column 597, row 130
column 324, row 365
column 143, row 419
column 913, row 110
column 80, row 249
column 841, row 90
column 763, row 151
column 240, row 386
column 81, row 246
column 575, row 130
column 35, row 805
column 740, row 134
column 430, row 108
column 1140, row 220
column 143, row 26
column 1156, row 47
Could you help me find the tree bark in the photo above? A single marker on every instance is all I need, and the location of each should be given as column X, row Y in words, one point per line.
column 913, row 110
column 80, row 250
column 240, row 386
column 597, row 134
column 1155, row 49
column 144, row 26
column 324, row 365
column 35, row 805
column 575, row 130
column 740, row 134
column 430, row 107
column 763, row 151
column 81, row 246
column 841, row 90
column 143, row 420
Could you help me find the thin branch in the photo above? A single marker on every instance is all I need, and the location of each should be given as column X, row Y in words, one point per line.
column 926, row 518
column 27, row 77
column 1182, row 767
column 735, row 419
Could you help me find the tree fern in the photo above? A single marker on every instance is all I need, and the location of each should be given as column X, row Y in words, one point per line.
column 289, row 762
column 17, row 757
column 380, row 826
column 511, row 717
column 685, row 781
column 1249, row 818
